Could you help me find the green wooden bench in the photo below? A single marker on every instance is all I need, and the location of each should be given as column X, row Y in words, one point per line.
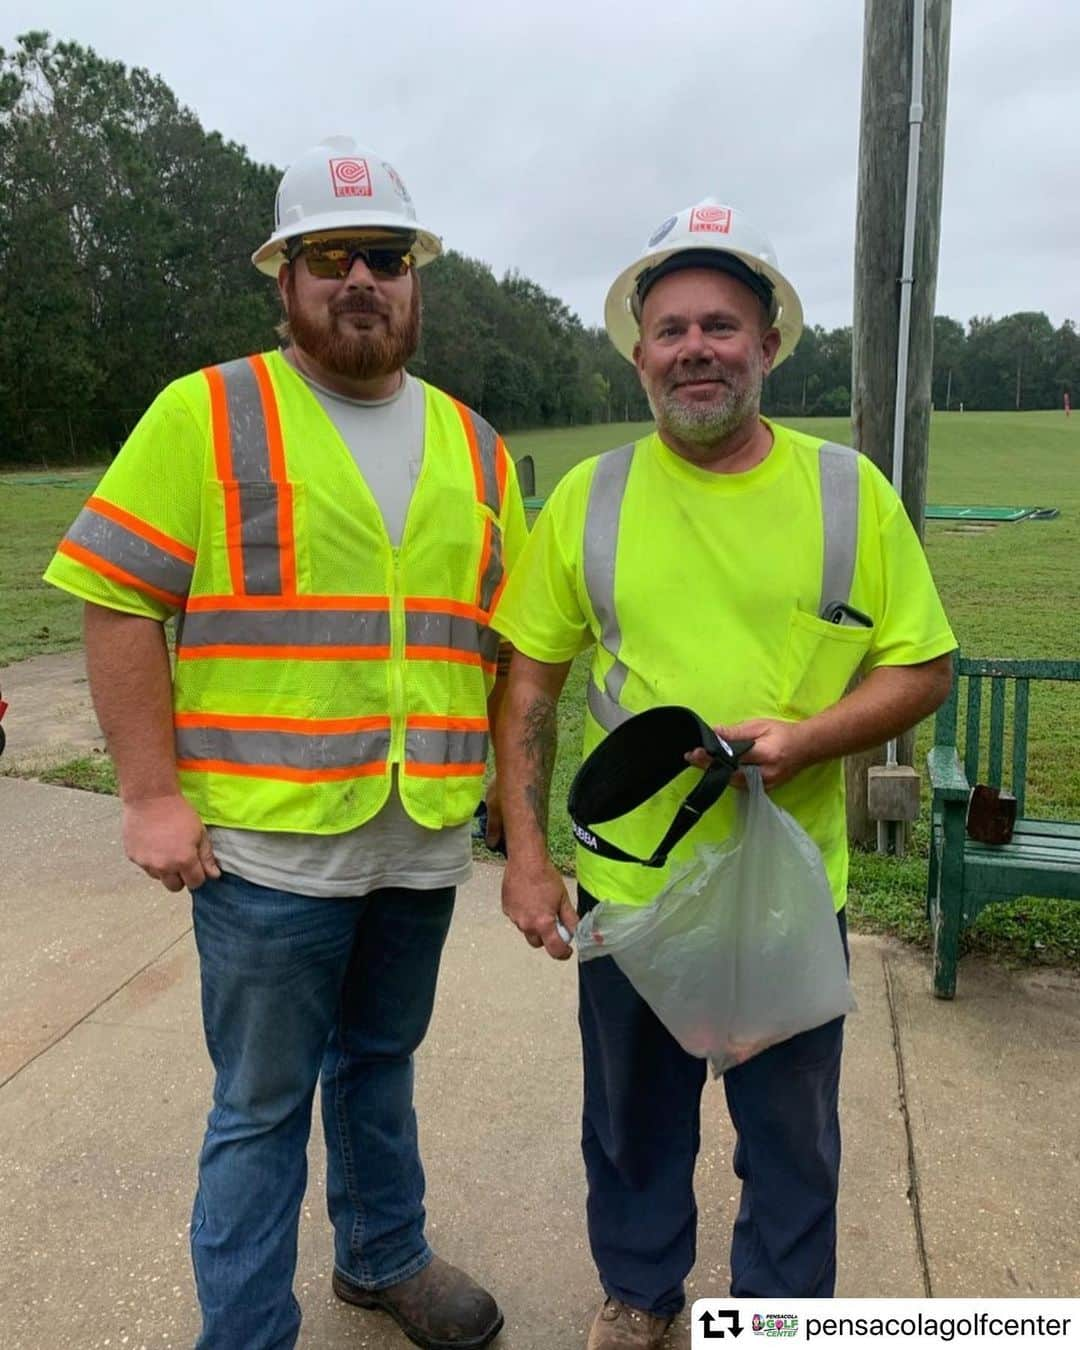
column 1043, row 858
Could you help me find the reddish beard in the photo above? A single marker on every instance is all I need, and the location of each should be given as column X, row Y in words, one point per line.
column 356, row 353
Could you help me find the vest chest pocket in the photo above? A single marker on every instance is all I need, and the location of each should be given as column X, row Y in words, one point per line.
column 819, row 662
column 263, row 526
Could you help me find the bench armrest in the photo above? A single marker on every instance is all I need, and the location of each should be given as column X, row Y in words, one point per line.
column 947, row 774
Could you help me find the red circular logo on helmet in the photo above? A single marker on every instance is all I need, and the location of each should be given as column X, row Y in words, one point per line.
column 350, row 177
column 714, row 219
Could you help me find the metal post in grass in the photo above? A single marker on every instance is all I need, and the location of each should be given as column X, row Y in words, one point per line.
column 901, row 152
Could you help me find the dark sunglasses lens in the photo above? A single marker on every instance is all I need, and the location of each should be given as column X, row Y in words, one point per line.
column 387, row 262
column 335, row 260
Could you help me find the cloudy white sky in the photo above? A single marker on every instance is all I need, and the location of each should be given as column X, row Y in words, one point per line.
column 553, row 136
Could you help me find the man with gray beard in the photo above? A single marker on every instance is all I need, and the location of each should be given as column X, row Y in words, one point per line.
column 746, row 571
column 331, row 534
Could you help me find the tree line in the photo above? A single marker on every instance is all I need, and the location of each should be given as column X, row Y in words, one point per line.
column 125, row 237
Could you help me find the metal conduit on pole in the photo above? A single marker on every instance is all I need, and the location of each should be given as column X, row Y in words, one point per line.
column 907, row 280
column 901, row 151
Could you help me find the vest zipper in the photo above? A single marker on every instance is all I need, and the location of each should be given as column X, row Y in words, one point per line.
column 397, row 662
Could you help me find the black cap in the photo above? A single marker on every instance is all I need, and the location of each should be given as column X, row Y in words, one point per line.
column 631, row 765
column 713, row 258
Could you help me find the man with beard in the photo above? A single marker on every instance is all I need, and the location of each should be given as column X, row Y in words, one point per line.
column 746, row 571
column 331, row 534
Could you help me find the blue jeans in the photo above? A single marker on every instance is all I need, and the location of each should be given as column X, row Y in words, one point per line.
column 641, row 1132
column 292, row 985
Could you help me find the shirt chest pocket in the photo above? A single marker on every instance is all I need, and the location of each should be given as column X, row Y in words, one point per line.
column 819, row 662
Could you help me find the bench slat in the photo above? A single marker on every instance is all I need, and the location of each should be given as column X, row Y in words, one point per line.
column 971, row 731
column 997, row 730
column 1061, row 852
column 1020, row 730
column 1066, row 829
column 1044, row 881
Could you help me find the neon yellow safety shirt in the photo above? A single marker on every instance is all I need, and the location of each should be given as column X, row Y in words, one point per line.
column 717, row 592
column 312, row 657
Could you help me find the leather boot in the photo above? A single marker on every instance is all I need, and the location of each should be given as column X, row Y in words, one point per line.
column 438, row 1308
column 617, row 1326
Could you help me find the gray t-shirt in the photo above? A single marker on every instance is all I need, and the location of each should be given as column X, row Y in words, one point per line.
column 386, row 439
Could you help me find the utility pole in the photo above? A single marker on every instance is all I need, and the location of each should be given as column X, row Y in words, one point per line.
column 894, row 114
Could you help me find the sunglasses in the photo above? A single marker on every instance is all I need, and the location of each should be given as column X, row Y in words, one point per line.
column 332, row 259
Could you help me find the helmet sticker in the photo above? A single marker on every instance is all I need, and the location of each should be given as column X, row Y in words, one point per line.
column 712, row 219
column 350, row 177
column 662, row 231
column 399, row 187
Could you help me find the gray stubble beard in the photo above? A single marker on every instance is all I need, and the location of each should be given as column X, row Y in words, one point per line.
column 708, row 424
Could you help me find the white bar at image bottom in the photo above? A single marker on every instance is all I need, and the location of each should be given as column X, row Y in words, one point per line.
column 917, row 1323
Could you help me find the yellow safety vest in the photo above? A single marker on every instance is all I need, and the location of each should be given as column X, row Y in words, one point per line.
column 311, row 655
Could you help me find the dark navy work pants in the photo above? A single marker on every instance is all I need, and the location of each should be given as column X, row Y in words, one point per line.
column 640, row 1136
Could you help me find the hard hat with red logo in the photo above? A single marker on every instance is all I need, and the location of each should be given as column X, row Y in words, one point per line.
column 707, row 234
column 338, row 185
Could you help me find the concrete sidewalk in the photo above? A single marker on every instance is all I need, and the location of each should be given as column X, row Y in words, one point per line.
column 962, row 1142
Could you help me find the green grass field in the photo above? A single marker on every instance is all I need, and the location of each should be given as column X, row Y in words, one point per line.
column 1010, row 591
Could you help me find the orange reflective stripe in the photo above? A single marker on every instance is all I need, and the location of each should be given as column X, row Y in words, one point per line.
column 239, row 652
column 474, row 448
column 415, row 652
column 498, row 592
column 423, row 722
column 314, row 726
column 219, row 420
column 276, row 451
column 142, row 529
column 281, row 773
column 485, row 562
column 502, row 460
column 107, row 569
column 201, row 603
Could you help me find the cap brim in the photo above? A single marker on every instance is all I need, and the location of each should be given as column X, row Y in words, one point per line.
column 635, row 761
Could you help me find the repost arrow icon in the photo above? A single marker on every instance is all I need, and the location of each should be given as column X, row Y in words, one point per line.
column 729, row 1315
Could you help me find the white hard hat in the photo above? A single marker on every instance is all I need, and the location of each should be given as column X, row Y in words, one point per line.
column 337, row 185
column 708, row 225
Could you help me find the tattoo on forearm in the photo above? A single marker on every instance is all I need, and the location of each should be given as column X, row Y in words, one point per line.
column 502, row 661
column 538, row 742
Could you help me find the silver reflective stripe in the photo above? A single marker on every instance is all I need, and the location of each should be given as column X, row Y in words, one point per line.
column 606, row 493
column 284, row 749
column 486, row 442
column 247, row 427
column 256, row 491
column 442, row 630
column 493, row 573
column 607, row 711
column 446, row 747
column 259, row 537
column 489, row 645
column 124, row 548
column 839, row 469
column 287, row 628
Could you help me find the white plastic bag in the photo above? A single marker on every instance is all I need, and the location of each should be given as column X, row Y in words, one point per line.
column 742, row 948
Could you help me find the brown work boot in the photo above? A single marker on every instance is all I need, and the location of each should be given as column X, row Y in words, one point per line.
column 617, row 1326
column 438, row 1308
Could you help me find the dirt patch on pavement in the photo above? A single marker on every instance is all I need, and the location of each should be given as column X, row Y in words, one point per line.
column 50, row 718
